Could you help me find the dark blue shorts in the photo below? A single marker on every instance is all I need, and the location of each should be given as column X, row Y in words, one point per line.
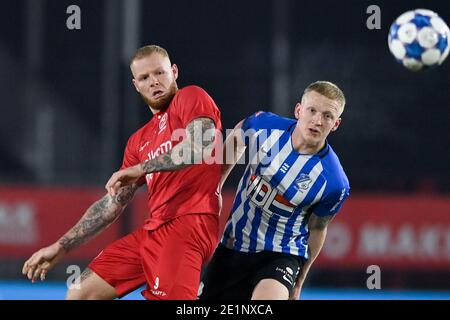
column 234, row 275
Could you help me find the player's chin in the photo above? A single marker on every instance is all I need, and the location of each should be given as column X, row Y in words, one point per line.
column 158, row 104
column 314, row 139
column 162, row 102
column 313, row 136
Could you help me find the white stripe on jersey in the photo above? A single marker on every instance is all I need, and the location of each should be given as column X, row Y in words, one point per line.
column 239, row 209
column 292, row 174
column 267, row 145
column 293, row 249
column 276, row 162
column 278, row 235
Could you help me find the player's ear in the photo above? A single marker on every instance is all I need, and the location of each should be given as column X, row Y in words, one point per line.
column 135, row 85
column 336, row 124
column 175, row 71
column 298, row 106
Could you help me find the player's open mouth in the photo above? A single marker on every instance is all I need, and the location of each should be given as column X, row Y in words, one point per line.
column 157, row 94
column 314, row 131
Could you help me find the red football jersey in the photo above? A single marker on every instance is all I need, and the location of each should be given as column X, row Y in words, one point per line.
column 189, row 190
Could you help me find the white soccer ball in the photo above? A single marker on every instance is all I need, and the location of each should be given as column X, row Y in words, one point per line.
column 418, row 39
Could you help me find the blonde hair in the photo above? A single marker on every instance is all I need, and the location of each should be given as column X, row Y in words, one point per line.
column 327, row 89
column 148, row 51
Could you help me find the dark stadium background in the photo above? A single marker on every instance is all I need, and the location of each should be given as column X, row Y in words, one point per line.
column 68, row 108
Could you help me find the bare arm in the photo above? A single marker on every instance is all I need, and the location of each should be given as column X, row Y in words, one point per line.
column 233, row 149
column 97, row 218
column 317, row 233
column 200, row 135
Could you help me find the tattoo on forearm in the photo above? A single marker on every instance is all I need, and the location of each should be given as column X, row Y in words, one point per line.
column 199, row 135
column 97, row 218
column 163, row 162
column 85, row 274
column 125, row 195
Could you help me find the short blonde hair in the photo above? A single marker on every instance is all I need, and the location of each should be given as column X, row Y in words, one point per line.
column 148, row 51
column 327, row 89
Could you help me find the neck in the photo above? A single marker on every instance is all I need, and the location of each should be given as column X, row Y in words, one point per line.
column 155, row 111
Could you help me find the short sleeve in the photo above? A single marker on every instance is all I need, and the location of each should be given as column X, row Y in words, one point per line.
column 332, row 202
column 251, row 125
column 193, row 102
column 251, row 122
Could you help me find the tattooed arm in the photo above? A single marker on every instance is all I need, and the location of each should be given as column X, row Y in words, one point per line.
column 199, row 137
column 96, row 219
column 317, row 233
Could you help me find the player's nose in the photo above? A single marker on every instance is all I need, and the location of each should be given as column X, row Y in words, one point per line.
column 317, row 118
column 153, row 81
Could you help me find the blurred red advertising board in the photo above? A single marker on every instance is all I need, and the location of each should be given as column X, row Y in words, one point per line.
column 401, row 231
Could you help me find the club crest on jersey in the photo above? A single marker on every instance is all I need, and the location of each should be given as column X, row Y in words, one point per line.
column 163, row 123
column 303, row 181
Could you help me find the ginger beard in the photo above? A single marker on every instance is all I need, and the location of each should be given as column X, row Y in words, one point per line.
column 162, row 103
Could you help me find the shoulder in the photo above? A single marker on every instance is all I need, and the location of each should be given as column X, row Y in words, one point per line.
column 267, row 120
column 335, row 174
column 192, row 91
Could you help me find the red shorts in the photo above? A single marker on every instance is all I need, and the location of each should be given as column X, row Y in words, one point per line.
column 169, row 259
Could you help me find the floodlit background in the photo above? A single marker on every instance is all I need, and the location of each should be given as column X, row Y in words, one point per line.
column 68, row 108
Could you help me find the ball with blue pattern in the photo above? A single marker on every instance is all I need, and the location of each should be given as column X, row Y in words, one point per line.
column 419, row 39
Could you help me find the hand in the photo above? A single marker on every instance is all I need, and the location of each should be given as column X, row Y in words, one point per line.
column 123, row 178
column 42, row 261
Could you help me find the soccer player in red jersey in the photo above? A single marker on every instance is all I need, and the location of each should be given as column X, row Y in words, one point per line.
column 167, row 154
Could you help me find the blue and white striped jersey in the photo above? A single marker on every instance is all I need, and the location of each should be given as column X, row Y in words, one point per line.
column 280, row 188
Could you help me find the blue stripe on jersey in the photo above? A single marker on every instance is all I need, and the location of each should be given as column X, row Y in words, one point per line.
column 237, row 201
column 266, row 160
column 289, row 230
column 227, row 232
column 279, row 175
column 256, row 143
column 302, row 241
column 240, row 225
column 268, row 239
column 254, row 233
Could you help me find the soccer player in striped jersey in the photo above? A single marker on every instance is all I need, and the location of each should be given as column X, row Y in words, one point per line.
column 292, row 188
